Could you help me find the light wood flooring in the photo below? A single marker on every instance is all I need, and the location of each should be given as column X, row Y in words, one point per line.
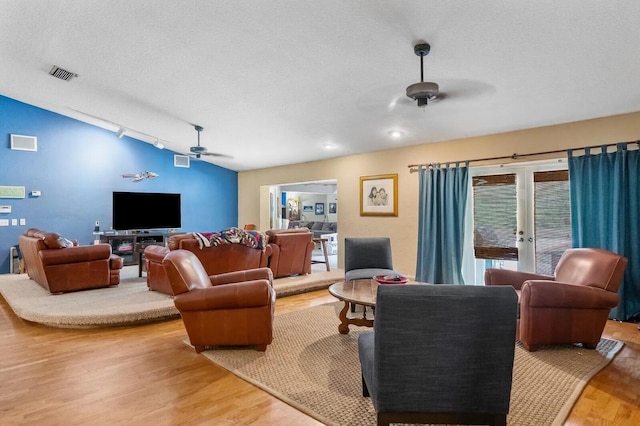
column 145, row 374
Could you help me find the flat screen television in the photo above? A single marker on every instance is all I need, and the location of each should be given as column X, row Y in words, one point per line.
column 145, row 210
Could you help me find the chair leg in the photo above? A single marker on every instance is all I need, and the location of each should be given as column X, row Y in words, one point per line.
column 365, row 390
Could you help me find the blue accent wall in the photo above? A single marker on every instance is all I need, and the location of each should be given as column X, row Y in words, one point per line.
column 78, row 166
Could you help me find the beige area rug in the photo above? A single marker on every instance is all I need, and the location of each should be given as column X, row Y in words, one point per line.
column 316, row 280
column 315, row 369
column 129, row 303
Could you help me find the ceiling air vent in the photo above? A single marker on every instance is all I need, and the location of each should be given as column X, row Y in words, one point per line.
column 62, row 74
column 181, row 161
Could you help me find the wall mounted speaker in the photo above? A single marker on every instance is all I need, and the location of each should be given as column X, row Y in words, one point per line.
column 24, row 143
column 181, row 161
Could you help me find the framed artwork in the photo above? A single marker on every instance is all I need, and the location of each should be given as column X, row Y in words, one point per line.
column 307, row 208
column 332, row 207
column 379, row 195
column 319, row 208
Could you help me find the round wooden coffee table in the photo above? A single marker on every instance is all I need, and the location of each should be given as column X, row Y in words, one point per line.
column 360, row 292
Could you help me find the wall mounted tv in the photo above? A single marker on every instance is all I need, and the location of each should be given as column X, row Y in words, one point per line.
column 145, row 210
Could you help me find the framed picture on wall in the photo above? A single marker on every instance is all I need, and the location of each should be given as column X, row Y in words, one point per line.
column 379, row 195
column 307, row 208
column 319, row 208
column 332, row 207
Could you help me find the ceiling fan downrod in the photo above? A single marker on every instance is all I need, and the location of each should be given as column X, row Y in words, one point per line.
column 422, row 92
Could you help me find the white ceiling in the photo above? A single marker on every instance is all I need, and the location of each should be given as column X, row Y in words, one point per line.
column 273, row 81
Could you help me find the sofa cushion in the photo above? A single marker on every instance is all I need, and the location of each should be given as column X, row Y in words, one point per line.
column 317, row 226
column 329, row 226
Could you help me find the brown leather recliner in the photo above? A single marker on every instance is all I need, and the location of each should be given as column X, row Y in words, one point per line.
column 59, row 266
column 570, row 307
column 291, row 251
column 229, row 309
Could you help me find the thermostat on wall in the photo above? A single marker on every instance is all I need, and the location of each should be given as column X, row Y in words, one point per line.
column 5, row 209
column 35, row 193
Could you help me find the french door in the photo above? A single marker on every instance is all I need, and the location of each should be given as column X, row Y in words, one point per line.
column 520, row 217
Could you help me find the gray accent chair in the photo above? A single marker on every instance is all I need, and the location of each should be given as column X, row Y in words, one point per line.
column 440, row 354
column 367, row 257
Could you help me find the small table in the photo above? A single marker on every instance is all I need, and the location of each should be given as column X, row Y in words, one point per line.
column 323, row 246
column 360, row 292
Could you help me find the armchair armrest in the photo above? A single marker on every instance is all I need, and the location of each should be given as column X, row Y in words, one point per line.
column 240, row 276
column 75, row 254
column 554, row 294
column 246, row 294
column 495, row 276
column 155, row 253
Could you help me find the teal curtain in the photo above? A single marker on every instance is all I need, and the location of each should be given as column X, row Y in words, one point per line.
column 442, row 203
column 605, row 213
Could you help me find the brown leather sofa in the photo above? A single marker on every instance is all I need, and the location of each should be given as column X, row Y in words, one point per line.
column 570, row 307
column 215, row 259
column 229, row 309
column 291, row 251
column 60, row 266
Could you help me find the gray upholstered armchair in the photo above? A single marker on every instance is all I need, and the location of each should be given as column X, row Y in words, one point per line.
column 440, row 354
column 367, row 257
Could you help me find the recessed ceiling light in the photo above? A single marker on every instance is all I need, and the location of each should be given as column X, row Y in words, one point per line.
column 395, row 134
column 328, row 146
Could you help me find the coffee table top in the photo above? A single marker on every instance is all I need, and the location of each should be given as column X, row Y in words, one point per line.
column 362, row 292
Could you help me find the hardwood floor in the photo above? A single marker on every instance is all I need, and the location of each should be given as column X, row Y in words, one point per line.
column 146, row 375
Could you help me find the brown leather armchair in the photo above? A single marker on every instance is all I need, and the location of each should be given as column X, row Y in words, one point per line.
column 59, row 265
column 291, row 251
column 234, row 308
column 570, row 307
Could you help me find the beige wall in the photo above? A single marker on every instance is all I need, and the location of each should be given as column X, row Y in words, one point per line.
column 403, row 229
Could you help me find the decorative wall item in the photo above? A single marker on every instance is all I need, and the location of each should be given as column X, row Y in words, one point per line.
column 319, row 208
column 12, row 192
column 333, row 207
column 379, row 195
column 307, row 208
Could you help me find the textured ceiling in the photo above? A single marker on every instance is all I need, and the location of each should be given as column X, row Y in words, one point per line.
column 272, row 82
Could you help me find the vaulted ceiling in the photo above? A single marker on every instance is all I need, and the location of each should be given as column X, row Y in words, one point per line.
column 279, row 82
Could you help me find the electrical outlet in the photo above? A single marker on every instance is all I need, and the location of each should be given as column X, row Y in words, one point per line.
column 4, row 222
column 14, row 222
column 23, row 221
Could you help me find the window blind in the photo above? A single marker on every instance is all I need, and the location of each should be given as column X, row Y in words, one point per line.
column 552, row 218
column 495, row 217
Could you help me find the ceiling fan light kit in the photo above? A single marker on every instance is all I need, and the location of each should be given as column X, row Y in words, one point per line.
column 424, row 91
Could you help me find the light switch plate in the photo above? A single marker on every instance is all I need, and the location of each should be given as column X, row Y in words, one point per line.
column 4, row 222
column 23, row 221
column 14, row 222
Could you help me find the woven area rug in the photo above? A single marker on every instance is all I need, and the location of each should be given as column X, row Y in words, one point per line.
column 315, row 369
column 129, row 302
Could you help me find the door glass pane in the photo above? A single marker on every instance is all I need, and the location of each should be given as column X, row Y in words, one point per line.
column 552, row 218
column 494, row 217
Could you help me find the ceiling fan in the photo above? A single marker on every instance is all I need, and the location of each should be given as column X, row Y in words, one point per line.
column 198, row 150
column 137, row 177
column 388, row 99
column 424, row 91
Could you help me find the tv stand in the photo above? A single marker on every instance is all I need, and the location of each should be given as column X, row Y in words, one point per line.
column 130, row 245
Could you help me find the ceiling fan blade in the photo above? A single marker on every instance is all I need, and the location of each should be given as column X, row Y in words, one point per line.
column 215, row 154
column 130, row 175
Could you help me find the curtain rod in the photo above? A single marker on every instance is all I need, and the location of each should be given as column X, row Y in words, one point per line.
column 516, row 156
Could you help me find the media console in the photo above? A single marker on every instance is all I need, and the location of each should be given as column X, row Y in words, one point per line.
column 130, row 245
